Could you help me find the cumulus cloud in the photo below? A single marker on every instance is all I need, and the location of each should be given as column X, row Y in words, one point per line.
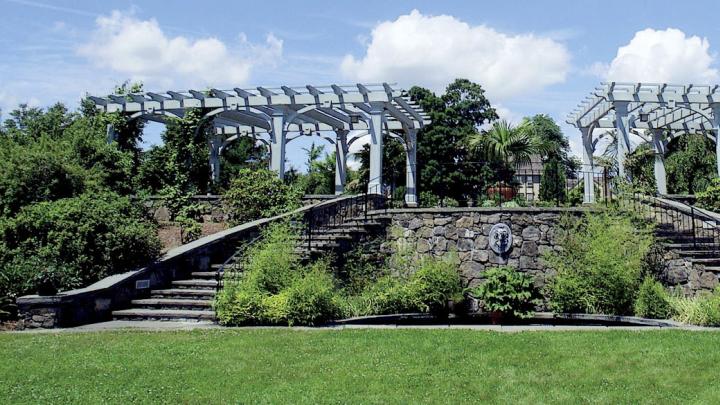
column 661, row 56
column 140, row 49
column 434, row 50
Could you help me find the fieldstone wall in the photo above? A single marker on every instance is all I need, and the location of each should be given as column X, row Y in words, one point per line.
column 465, row 231
column 681, row 272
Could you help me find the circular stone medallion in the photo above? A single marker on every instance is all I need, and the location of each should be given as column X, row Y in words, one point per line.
column 500, row 238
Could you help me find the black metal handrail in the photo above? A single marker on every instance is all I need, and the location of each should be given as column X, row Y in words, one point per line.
column 698, row 226
column 337, row 212
column 233, row 259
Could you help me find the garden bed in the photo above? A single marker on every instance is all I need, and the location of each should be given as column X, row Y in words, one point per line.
column 539, row 319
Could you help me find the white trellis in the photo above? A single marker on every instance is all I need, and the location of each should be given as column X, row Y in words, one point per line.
column 276, row 116
column 655, row 112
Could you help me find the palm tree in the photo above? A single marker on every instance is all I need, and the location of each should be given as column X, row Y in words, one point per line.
column 507, row 143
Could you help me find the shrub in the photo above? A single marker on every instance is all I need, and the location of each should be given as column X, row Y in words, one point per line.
column 311, row 298
column 272, row 264
column 429, row 200
column 435, row 283
column 599, row 268
column 81, row 239
column 508, row 291
column 552, row 182
column 239, row 306
column 652, row 301
column 710, row 198
column 256, row 194
column 702, row 310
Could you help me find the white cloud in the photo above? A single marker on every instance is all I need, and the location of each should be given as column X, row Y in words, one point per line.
column 140, row 49
column 661, row 56
column 434, row 50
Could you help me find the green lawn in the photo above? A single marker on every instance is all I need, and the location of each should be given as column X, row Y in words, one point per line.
column 360, row 366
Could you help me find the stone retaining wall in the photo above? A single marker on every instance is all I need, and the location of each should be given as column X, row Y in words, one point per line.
column 466, row 232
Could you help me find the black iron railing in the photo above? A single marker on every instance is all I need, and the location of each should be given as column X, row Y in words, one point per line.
column 334, row 213
column 232, row 262
column 685, row 225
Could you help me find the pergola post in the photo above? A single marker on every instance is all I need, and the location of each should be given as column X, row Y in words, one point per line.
column 110, row 133
column 588, row 166
column 659, row 166
column 411, row 194
column 277, row 144
column 376, row 149
column 623, row 141
column 215, row 144
column 716, row 129
column 341, row 151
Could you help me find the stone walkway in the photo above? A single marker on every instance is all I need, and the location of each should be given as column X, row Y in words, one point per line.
column 158, row 326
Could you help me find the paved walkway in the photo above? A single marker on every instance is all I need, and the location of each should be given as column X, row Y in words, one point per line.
column 157, row 326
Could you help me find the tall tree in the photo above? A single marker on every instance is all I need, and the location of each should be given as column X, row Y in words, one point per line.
column 447, row 167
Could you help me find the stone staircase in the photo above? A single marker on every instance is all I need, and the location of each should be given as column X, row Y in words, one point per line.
column 190, row 300
column 699, row 250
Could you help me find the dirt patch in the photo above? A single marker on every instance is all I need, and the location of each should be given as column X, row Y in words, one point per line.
column 169, row 233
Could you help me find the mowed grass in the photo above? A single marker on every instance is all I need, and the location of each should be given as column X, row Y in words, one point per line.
column 360, row 366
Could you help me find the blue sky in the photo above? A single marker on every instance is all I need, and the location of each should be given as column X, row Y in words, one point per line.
column 531, row 56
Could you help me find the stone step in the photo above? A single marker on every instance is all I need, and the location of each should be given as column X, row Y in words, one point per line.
column 226, row 266
column 693, row 246
column 183, row 293
column 204, row 274
column 688, row 239
column 325, row 236
column 171, row 303
column 140, row 314
column 709, row 253
column 198, row 284
column 713, row 269
column 323, row 244
column 707, row 261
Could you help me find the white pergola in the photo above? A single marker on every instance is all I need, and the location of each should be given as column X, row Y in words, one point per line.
column 656, row 113
column 276, row 116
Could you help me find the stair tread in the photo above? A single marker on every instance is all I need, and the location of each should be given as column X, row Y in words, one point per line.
column 169, row 313
column 197, row 281
column 171, row 301
column 182, row 291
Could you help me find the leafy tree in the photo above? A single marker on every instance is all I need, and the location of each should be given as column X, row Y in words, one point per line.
column 83, row 239
column 690, row 164
column 446, row 166
column 256, row 194
column 553, row 181
column 506, row 143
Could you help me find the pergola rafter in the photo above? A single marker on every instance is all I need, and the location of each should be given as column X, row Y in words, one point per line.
column 661, row 111
column 281, row 114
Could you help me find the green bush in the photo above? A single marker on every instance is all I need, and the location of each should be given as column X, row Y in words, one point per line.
column 276, row 288
column 702, row 310
column 311, row 298
column 652, row 300
column 80, row 239
column 508, row 291
column 256, row 194
column 435, row 283
column 272, row 264
column 710, row 198
column 599, row 269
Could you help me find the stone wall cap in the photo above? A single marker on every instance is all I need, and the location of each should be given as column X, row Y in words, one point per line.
column 489, row 210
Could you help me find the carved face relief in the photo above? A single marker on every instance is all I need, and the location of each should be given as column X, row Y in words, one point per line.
column 500, row 238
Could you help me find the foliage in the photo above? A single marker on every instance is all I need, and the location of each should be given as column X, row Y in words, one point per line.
column 702, row 310
column 82, row 238
column 508, row 291
column 446, row 166
column 428, row 200
column 553, row 182
column 599, row 268
column 320, row 177
column 256, row 194
column 652, row 300
column 506, row 143
column 276, row 289
column 424, row 284
column 640, row 165
column 311, row 299
column 690, row 164
column 710, row 198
